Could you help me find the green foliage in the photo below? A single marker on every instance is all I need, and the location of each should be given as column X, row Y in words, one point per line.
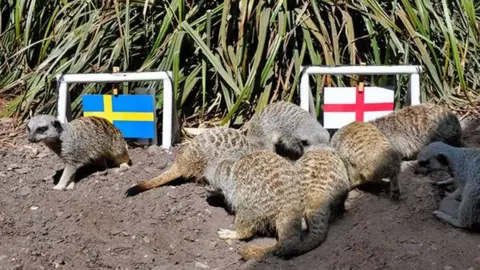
column 232, row 57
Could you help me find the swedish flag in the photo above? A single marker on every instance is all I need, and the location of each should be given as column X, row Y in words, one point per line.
column 133, row 115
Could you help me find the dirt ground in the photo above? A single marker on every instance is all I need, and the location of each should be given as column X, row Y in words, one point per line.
column 174, row 227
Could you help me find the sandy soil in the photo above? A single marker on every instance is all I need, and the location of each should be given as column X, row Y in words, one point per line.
column 174, row 227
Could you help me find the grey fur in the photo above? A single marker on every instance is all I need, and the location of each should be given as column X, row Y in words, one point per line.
column 81, row 142
column 462, row 165
column 287, row 129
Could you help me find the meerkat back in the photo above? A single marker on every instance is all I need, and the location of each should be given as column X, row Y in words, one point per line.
column 324, row 179
column 93, row 139
column 194, row 155
column 287, row 129
column 263, row 190
column 367, row 155
column 412, row 128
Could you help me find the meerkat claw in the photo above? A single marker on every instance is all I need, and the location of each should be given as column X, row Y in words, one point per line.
column 227, row 234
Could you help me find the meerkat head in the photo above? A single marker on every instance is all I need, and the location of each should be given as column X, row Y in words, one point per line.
column 433, row 158
column 311, row 133
column 44, row 128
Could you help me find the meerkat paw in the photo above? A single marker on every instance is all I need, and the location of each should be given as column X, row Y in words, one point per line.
column 448, row 219
column 396, row 195
column 71, row 185
column 122, row 168
column 227, row 234
column 59, row 187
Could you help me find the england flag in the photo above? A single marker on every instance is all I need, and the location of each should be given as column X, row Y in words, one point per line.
column 343, row 105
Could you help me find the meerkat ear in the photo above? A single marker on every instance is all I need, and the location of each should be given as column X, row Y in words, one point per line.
column 57, row 125
column 442, row 159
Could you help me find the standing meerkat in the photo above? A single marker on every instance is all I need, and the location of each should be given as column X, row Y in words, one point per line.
column 462, row 165
column 194, row 155
column 368, row 156
column 264, row 191
column 287, row 129
column 412, row 128
column 83, row 141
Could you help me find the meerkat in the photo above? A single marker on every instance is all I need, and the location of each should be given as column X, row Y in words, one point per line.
column 462, row 165
column 194, row 156
column 287, row 129
column 325, row 183
column 368, row 156
column 412, row 128
column 83, row 141
column 264, row 191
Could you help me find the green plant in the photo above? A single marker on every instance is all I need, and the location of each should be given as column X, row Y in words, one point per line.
column 230, row 58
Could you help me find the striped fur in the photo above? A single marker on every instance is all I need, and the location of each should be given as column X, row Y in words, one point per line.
column 268, row 192
column 412, row 128
column 367, row 155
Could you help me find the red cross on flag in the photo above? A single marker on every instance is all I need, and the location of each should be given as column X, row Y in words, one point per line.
column 343, row 105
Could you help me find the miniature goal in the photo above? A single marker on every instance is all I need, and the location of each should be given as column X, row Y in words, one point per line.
column 306, row 98
column 64, row 102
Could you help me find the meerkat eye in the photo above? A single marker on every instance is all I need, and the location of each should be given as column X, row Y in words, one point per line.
column 42, row 129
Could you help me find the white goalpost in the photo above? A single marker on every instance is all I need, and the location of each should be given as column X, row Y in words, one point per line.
column 306, row 97
column 64, row 103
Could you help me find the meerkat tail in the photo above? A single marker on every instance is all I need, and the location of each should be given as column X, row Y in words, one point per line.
column 164, row 178
column 318, row 223
column 256, row 252
column 290, row 243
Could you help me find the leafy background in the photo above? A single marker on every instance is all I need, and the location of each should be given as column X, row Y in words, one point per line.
column 230, row 58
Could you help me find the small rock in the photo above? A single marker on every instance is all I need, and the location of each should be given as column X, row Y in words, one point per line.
column 12, row 167
column 161, row 164
column 42, row 154
column 34, row 208
column 189, row 238
column 23, row 170
column 201, row 265
column 25, row 191
column 153, row 149
column 212, row 245
column 146, row 239
column 100, row 173
column 470, row 268
column 57, row 264
column 2, row 257
column 448, row 267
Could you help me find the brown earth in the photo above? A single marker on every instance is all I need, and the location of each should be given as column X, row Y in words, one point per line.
column 174, row 227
